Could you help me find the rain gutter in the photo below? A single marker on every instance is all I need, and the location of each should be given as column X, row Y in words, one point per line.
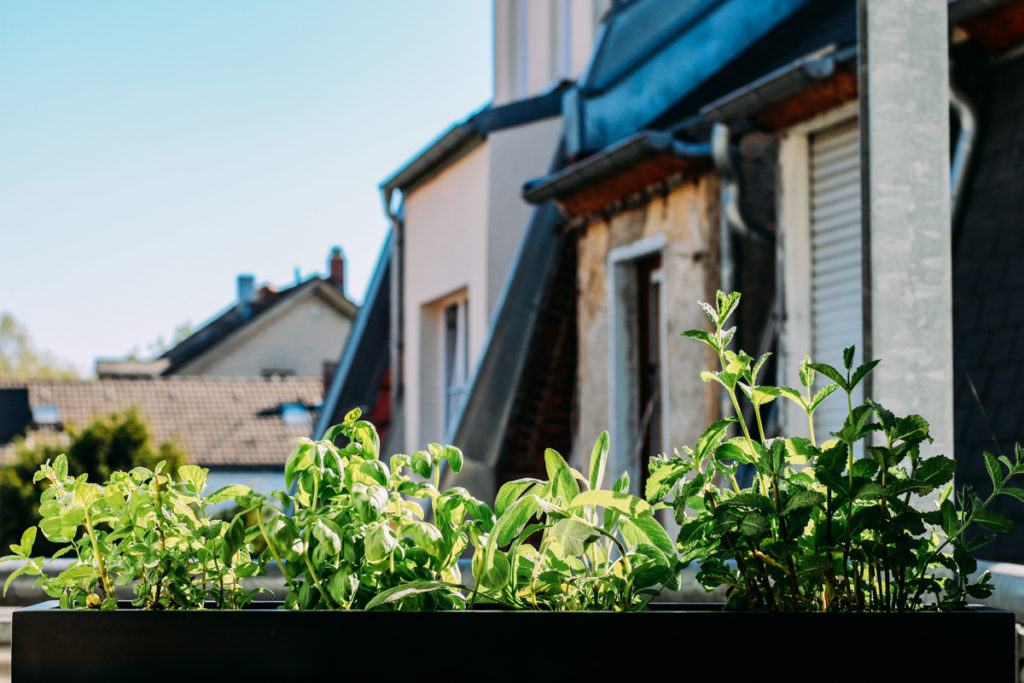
column 616, row 158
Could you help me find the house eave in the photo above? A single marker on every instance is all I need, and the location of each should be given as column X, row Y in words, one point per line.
column 631, row 165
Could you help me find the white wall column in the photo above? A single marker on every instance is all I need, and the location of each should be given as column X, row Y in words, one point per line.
column 904, row 126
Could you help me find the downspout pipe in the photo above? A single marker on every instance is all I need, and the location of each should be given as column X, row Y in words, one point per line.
column 397, row 326
column 963, row 153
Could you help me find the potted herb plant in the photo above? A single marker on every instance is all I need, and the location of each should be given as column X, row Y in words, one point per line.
column 831, row 565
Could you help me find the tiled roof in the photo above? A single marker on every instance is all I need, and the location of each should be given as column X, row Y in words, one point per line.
column 219, row 422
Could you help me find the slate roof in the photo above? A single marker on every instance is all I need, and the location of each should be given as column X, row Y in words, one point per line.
column 219, row 422
column 235, row 317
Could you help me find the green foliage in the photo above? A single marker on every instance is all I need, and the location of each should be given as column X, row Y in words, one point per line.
column 357, row 539
column 142, row 528
column 597, row 548
column 819, row 530
column 116, row 442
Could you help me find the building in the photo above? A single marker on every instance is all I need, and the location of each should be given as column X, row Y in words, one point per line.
column 458, row 223
column 293, row 332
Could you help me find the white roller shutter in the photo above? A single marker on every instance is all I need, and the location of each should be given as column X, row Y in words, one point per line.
column 836, row 272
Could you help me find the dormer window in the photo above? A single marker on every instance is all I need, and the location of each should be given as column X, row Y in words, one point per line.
column 46, row 414
column 295, row 415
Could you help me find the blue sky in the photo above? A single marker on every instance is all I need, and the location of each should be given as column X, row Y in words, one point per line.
column 152, row 151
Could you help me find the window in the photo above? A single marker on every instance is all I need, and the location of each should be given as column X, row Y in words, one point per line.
column 456, row 364
column 637, row 328
column 820, row 211
column 45, row 414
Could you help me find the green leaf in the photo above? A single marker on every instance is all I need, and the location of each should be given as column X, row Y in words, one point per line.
column 234, row 537
column 822, row 394
column 514, row 519
column 627, row 504
column 454, row 457
column 754, row 525
column 28, row 538
column 712, row 437
column 709, row 376
column 647, row 529
column 563, row 485
column 748, row 500
column 380, row 543
column 229, row 492
column 334, row 432
column 870, row 491
column 993, row 521
column 848, row 356
column 727, row 304
column 794, row 396
column 598, row 461
column 935, row 471
column 574, row 535
column 803, row 499
column 422, row 463
column 709, row 311
column 995, row 473
column 1013, row 491
column 806, row 372
column 949, row 517
column 426, row 536
column 194, row 477
column 510, row 492
column 831, row 373
column 405, row 590
column 861, row 372
column 664, row 475
column 366, row 435
column 343, row 585
column 706, row 337
column 86, row 494
column 298, row 462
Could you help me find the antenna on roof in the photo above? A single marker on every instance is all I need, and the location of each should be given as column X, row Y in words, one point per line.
column 298, row 276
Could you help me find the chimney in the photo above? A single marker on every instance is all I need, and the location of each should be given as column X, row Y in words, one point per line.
column 336, row 268
column 246, row 294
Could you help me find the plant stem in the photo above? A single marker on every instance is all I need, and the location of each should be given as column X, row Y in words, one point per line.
column 99, row 555
column 270, row 547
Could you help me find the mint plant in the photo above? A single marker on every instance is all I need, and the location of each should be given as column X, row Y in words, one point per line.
column 818, row 529
column 355, row 539
column 597, row 549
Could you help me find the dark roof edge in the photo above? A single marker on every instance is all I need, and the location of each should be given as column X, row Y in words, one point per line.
column 959, row 10
column 354, row 338
column 475, row 129
column 779, row 84
column 611, row 160
column 484, row 414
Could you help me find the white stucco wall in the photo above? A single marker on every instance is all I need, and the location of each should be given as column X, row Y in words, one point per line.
column 516, row 155
column 445, row 254
column 297, row 336
column 539, row 42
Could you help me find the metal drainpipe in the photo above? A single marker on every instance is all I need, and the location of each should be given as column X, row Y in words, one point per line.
column 397, row 325
column 964, row 152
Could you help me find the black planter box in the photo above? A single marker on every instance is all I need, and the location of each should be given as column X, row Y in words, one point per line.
column 670, row 642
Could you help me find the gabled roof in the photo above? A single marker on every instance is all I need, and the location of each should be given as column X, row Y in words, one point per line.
column 233, row 319
column 219, row 422
column 462, row 136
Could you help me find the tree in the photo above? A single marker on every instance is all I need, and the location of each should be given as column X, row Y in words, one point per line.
column 119, row 441
column 19, row 360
